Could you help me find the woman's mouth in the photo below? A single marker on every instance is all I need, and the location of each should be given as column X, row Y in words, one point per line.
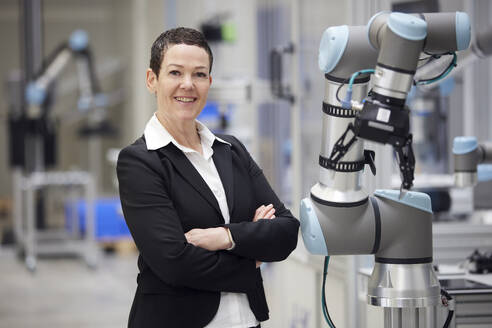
column 185, row 99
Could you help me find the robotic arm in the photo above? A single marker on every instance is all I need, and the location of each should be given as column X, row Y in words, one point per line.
column 35, row 144
column 37, row 91
column 481, row 47
column 400, row 38
column 340, row 217
column 472, row 161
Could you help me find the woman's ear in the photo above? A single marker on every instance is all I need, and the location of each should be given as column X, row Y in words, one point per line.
column 151, row 80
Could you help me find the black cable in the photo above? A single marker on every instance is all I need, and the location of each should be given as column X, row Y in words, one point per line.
column 445, row 71
column 431, row 57
column 450, row 312
column 428, row 60
column 448, row 319
column 438, row 55
column 338, row 90
column 323, row 300
column 96, row 86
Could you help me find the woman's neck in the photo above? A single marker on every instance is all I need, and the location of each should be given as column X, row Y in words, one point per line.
column 184, row 132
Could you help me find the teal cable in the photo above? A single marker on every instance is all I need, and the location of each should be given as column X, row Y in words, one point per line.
column 352, row 78
column 441, row 76
column 348, row 95
column 323, row 296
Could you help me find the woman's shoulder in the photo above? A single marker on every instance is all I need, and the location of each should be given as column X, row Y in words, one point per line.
column 229, row 138
column 136, row 160
column 138, row 151
column 137, row 147
column 236, row 145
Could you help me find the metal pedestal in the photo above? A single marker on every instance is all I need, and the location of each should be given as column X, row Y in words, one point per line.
column 410, row 317
column 33, row 242
column 409, row 294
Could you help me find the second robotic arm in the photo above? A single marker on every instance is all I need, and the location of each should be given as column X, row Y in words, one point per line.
column 472, row 161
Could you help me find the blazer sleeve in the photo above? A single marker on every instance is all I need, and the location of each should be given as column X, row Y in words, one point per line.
column 266, row 240
column 156, row 229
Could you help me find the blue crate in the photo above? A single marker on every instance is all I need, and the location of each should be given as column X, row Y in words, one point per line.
column 109, row 221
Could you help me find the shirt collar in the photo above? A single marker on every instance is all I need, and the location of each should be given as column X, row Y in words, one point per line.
column 156, row 136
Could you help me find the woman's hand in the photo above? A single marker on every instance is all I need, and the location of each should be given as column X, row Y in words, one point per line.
column 264, row 212
column 212, row 239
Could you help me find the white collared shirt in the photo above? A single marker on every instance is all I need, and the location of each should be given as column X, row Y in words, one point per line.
column 234, row 310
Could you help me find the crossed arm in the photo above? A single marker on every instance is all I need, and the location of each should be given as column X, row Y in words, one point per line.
column 215, row 239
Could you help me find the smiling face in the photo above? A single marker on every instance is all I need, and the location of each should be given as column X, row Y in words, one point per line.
column 183, row 83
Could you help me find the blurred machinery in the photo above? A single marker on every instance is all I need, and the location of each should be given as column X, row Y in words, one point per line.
column 461, row 210
column 471, row 161
column 470, row 284
column 33, row 142
column 429, row 103
column 396, row 226
column 481, row 47
column 228, row 93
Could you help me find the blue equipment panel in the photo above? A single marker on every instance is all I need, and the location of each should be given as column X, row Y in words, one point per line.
column 109, row 221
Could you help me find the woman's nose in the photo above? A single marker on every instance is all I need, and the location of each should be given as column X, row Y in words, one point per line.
column 187, row 82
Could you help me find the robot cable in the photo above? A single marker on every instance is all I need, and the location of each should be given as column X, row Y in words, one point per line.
column 323, row 295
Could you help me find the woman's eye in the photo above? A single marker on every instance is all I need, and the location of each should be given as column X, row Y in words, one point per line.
column 174, row 73
column 200, row 74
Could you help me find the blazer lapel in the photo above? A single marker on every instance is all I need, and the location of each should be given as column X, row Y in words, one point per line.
column 189, row 173
column 223, row 163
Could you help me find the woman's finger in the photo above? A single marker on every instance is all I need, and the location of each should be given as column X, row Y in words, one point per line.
column 190, row 240
column 266, row 210
column 269, row 214
column 262, row 212
column 258, row 212
column 191, row 236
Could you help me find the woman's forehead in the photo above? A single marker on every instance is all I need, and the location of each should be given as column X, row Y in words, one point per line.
column 186, row 55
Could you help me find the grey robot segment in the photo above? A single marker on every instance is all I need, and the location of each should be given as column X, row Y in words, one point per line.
column 357, row 44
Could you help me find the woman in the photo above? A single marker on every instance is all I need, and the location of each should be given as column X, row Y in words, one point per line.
column 201, row 212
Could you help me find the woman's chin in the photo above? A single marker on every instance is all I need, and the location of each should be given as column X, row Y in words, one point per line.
column 188, row 116
column 183, row 115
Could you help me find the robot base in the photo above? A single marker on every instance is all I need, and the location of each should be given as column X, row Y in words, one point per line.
column 410, row 294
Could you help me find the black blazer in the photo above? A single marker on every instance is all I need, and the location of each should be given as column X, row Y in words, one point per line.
column 163, row 196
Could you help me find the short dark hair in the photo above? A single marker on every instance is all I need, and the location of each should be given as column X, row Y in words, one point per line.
column 180, row 35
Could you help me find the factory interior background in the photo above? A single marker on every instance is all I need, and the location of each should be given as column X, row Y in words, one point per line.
column 75, row 280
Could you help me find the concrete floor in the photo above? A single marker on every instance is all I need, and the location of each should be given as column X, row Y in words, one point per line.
column 64, row 292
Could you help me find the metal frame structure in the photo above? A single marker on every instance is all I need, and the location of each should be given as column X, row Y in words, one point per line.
column 29, row 173
column 33, row 242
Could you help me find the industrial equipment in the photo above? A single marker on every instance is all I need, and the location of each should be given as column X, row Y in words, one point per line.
column 33, row 150
column 430, row 104
column 340, row 218
column 471, row 161
column 481, row 47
